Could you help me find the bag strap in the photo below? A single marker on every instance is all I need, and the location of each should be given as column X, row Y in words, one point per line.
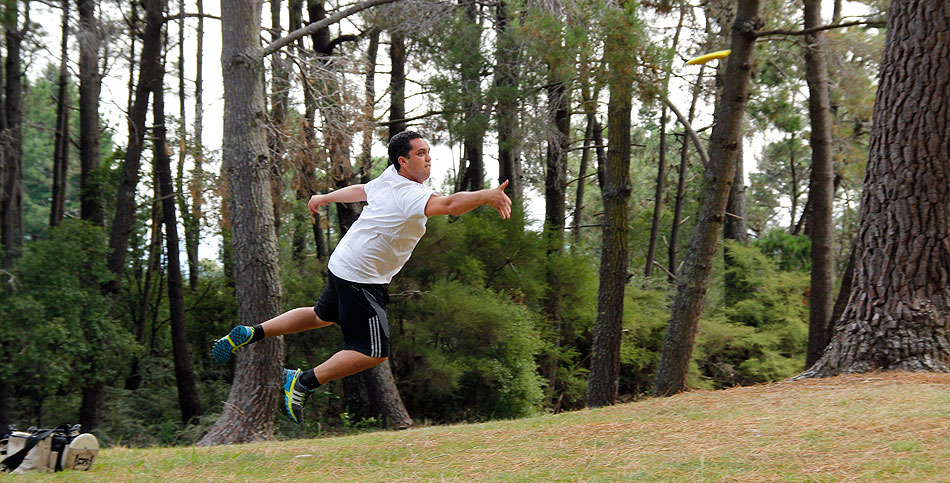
column 67, row 432
column 13, row 462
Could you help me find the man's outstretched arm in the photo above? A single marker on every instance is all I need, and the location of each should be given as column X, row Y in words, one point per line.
column 350, row 194
column 465, row 201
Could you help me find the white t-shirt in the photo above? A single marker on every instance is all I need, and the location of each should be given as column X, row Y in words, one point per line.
column 379, row 243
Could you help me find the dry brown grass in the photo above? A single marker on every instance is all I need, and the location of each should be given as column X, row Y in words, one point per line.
column 870, row 427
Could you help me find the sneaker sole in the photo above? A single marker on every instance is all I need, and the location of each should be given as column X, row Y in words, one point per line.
column 225, row 346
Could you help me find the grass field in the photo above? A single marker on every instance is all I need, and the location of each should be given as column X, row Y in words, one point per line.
column 871, row 427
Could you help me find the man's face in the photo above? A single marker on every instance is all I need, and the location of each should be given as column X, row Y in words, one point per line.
column 417, row 165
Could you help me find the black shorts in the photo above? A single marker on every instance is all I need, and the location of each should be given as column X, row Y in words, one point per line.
column 360, row 310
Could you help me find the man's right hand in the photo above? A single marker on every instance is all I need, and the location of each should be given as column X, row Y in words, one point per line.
column 500, row 201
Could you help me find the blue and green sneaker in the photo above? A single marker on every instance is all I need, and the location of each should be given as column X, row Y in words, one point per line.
column 237, row 338
column 295, row 395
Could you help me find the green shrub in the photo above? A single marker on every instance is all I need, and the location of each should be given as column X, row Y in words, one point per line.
column 466, row 353
column 58, row 320
column 762, row 335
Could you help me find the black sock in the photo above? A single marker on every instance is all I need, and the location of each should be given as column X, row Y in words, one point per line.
column 309, row 380
column 258, row 333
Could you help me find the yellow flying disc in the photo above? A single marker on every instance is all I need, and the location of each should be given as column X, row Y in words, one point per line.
column 702, row 59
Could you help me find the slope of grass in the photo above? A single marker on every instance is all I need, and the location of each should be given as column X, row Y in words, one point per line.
column 870, row 427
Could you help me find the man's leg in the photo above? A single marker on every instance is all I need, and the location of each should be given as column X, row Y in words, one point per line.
column 299, row 384
column 293, row 321
column 290, row 322
column 345, row 363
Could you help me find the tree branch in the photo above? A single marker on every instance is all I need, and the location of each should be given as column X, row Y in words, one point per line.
column 869, row 23
column 339, row 40
column 309, row 29
column 407, row 119
column 689, row 130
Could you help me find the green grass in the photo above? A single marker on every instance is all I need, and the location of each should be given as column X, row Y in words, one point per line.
column 873, row 427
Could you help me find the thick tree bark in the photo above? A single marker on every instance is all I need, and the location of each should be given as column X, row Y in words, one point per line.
column 150, row 73
column 724, row 144
column 249, row 412
column 89, row 82
column 821, row 190
column 61, row 137
column 188, row 401
column 897, row 314
column 604, row 377
column 506, row 106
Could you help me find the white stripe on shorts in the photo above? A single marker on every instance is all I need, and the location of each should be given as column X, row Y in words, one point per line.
column 374, row 336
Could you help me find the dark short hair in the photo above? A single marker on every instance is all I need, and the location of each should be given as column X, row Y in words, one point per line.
column 399, row 145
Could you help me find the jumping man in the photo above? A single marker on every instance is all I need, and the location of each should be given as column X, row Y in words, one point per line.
column 373, row 250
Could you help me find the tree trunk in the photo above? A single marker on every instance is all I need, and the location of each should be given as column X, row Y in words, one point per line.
column 896, row 318
column 134, row 379
column 602, row 383
column 90, row 409
column 677, row 347
column 249, row 412
column 582, row 182
column 196, row 184
column 369, row 105
column 89, row 83
column 821, row 190
column 681, row 180
column 847, row 280
column 280, row 100
column 735, row 228
column 150, row 73
column 735, row 225
column 308, row 162
column 336, row 127
column 506, row 106
column 472, row 178
column 11, row 203
column 384, row 398
column 555, row 181
column 397, row 83
column 189, row 222
column 61, row 137
column 4, row 408
column 184, row 375
column 661, row 163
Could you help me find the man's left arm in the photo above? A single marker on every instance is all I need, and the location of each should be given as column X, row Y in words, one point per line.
column 465, row 201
